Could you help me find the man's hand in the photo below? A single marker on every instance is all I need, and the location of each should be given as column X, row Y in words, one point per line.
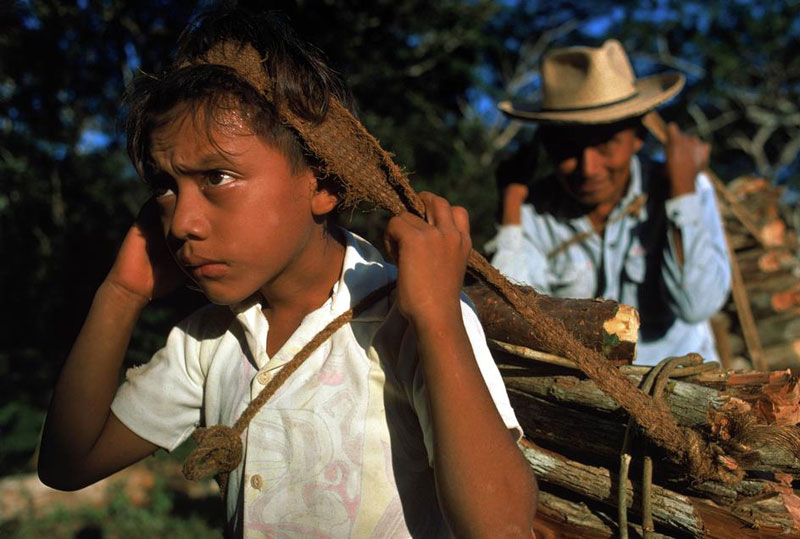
column 431, row 257
column 144, row 267
column 686, row 157
column 514, row 195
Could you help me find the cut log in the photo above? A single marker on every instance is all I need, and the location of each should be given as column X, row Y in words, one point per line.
column 689, row 403
column 605, row 326
column 595, row 438
column 784, row 356
column 787, row 300
column 770, row 272
column 769, row 297
column 558, row 517
column 779, row 328
column 774, row 396
column 671, row 510
column 756, row 261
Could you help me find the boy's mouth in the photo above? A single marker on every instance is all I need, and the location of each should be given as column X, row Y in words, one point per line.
column 200, row 267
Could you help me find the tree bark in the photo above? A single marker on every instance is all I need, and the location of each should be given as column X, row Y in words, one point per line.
column 599, row 438
column 671, row 510
column 783, row 356
column 781, row 328
column 605, row 326
column 689, row 403
column 755, row 262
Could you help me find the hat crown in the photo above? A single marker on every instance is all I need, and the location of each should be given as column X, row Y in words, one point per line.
column 587, row 77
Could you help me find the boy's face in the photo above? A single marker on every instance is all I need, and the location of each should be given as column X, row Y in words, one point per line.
column 236, row 218
column 593, row 162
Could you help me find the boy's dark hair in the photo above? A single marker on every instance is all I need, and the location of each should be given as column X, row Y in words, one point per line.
column 301, row 81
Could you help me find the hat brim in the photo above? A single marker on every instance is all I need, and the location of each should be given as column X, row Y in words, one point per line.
column 651, row 92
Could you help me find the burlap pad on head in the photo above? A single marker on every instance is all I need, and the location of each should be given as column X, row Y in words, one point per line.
column 347, row 150
column 367, row 173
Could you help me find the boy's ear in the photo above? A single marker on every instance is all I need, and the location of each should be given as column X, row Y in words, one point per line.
column 323, row 201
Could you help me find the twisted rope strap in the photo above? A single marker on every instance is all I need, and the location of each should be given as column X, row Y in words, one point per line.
column 368, row 173
column 655, row 381
column 219, row 447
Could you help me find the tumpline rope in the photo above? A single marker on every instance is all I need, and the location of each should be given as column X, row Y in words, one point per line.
column 367, row 172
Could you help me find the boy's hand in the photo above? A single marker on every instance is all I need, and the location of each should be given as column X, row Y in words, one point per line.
column 686, row 157
column 144, row 267
column 431, row 257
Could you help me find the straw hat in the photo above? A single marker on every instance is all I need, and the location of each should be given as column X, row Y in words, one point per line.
column 588, row 85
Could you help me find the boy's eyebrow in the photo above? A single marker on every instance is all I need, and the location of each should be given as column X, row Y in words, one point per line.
column 210, row 160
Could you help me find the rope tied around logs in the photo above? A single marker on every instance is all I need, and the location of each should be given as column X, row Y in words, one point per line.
column 655, row 382
column 367, row 172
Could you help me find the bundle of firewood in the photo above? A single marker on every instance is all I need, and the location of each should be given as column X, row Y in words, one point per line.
column 766, row 248
column 577, row 438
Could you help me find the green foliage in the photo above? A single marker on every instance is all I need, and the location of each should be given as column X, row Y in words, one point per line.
column 20, row 424
column 68, row 192
column 118, row 519
column 743, row 76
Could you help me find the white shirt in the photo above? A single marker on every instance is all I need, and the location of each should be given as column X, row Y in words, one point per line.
column 344, row 447
column 634, row 260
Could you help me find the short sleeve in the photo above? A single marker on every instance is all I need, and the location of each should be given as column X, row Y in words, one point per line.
column 161, row 400
column 491, row 376
column 489, row 370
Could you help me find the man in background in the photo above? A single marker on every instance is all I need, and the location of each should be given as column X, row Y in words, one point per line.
column 608, row 222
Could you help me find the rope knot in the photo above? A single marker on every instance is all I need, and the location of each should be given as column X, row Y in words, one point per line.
column 218, row 451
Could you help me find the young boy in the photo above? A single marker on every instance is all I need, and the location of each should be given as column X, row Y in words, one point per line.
column 397, row 424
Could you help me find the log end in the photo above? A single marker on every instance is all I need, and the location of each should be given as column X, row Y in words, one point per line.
column 624, row 325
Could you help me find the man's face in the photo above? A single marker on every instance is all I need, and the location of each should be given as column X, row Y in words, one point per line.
column 235, row 215
column 593, row 162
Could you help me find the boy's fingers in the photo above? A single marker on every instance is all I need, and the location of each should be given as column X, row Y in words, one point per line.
column 461, row 219
column 391, row 247
column 438, row 211
column 399, row 227
column 408, row 220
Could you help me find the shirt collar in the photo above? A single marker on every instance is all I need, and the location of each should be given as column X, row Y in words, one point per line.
column 634, row 190
column 363, row 270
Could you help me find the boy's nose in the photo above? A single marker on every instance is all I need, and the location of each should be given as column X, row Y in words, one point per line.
column 188, row 219
column 591, row 162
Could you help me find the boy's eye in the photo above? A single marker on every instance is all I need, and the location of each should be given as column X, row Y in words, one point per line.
column 161, row 192
column 215, row 178
column 161, row 186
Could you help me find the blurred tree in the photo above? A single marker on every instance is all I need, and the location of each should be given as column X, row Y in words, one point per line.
column 67, row 192
column 743, row 74
column 411, row 66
